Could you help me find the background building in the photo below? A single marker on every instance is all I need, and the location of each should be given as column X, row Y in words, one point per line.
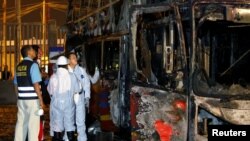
column 34, row 15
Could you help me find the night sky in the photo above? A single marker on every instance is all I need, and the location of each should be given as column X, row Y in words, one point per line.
column 36, row 16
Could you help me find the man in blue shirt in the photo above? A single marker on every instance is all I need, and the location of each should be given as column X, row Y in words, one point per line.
column 29, row 95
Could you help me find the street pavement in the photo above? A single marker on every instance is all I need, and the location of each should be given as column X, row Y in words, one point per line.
column 7, row 93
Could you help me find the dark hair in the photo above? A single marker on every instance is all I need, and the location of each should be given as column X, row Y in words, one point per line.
column 36, row 48
column 71, row 53
column 25, row 49
column 63, row 66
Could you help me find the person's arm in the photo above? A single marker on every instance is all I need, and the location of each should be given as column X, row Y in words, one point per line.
column 96, row 76
column 52, row 85
column 15, row 85
column 86, row 84
column 16, row 90
column 39, row 94
column 36, row 78
column 86, row 88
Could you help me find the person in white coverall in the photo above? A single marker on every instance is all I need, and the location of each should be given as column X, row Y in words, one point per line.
column 62, row 87
column 81, row 100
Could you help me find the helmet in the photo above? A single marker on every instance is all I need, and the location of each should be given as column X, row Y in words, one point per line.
column 62, row 60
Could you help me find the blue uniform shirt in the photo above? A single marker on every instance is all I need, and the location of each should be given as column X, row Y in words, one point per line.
column 34, row 73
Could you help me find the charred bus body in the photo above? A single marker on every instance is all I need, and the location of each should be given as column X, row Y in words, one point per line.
column 219, row 78
column 178, row 66
column 159, row 72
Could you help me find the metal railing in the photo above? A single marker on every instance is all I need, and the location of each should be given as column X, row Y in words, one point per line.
column 31, row 35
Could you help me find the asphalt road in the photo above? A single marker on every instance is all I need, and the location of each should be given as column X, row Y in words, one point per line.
column 7, row 93
column 8, row 112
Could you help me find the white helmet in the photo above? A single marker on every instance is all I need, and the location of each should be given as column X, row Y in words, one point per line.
column 62, row 60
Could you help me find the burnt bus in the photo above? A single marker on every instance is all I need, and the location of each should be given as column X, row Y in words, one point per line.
column 158, row 72
column 219, row 76
column 168, row 69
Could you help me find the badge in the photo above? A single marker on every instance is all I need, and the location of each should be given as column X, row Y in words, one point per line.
column 82, row 76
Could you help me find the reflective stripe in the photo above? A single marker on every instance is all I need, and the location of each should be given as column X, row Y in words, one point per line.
column 27, row 94
column 26, row 88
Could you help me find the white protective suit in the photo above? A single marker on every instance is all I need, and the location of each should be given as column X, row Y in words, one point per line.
column 81, row 100
column 96, row 76
column 62, row 87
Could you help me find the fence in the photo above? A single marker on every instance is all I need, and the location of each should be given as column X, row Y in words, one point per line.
column 31, row 34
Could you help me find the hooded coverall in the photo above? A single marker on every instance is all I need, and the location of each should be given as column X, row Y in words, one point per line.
column 62, row 87
column 84, row 83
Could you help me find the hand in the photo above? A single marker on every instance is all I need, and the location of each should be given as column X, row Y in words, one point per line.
column 76, row 98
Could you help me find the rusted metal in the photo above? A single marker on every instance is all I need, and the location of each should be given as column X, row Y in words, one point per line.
column 137, row 10
column 156, row 104
column 110, row 37
column 146, row 68
column 181, row 36
column 235, row 111
column 96, row 11
column 246, row 53
column 194, row 2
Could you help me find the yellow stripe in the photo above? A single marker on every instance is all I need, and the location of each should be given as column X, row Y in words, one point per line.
column 105, row 117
